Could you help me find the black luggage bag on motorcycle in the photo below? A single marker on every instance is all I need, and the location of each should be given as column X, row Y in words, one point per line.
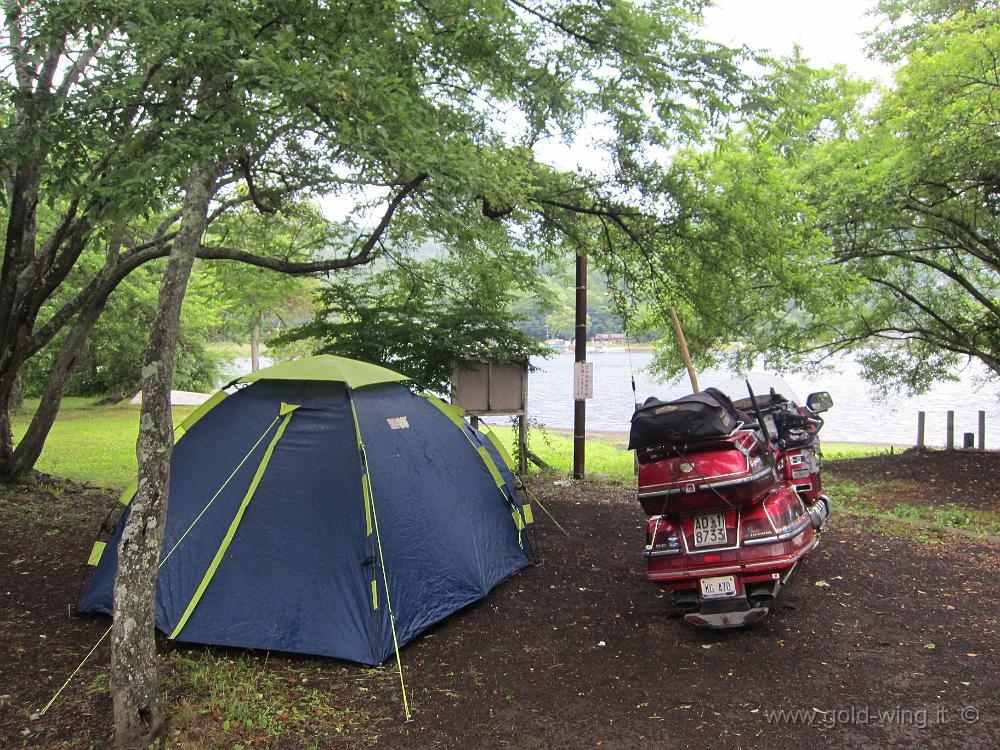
column 705, row 415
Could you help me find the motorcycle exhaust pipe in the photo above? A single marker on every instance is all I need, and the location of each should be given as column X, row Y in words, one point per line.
column 763, row 595
column 819, row 512
column 686, row 601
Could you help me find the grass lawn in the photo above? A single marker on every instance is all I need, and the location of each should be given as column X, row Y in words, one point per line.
column 608, row 459
column 91, row 443
column 96, row 444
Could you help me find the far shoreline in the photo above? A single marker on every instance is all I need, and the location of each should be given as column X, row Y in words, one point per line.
column 619, row 437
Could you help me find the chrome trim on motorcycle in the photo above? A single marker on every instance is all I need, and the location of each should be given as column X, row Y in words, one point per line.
column 777, row 562
column 759, row 474
column 698, row 573
column 661, row 553
column 819, row 512
column 726, row 619
column 783, row 536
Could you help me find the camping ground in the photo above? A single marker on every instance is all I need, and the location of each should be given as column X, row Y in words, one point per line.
column 886, row 637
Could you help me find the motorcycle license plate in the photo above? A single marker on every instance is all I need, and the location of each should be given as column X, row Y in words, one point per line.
column 720, row 587
column 709, row 529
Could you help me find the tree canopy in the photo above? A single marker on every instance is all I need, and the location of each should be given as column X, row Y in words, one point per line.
column 420, row 316
column 828, row 220
column 433, row 118
column 913, row 206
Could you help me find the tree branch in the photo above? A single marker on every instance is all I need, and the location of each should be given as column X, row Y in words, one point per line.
column 594, row 44
column 244, row 162
column 79, row 65
column 921, row 207
column 358, row 256
column 18, row 53
column 912, row 299
column 295, row 268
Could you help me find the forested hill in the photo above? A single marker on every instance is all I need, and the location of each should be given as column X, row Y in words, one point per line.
column 554, row 316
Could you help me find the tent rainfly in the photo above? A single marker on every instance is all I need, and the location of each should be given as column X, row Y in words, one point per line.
column 322, row 506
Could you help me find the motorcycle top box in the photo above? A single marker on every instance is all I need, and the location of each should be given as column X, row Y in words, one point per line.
column 731, row 470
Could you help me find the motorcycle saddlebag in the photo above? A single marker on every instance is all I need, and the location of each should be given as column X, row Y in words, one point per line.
column 706, row 415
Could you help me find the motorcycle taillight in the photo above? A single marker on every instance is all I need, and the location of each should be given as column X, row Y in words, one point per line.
column 662, row 537
column 755, row 526
column 785, row 510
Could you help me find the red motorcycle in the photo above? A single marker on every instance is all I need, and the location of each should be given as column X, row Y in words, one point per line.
column 734, row 495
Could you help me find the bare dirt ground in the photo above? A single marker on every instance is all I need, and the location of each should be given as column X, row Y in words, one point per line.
column 880, row 640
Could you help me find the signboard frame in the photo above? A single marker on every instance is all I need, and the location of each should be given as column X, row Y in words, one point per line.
column 492, row 388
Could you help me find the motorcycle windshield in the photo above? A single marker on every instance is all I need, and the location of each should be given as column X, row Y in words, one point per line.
column 761, row 382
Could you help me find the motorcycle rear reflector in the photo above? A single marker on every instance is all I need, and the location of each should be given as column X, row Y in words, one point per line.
column 662, row 537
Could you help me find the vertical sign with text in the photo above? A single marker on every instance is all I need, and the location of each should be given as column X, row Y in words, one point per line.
column 584, row 381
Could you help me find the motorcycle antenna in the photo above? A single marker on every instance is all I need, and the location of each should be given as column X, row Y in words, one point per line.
column 631, row 369
column 760, row 421
column 635, row 395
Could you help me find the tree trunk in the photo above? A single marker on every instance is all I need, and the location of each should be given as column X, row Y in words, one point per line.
column 6, row 440
column 138, row 713
column 8, row 385
column 255, row 346
column 16, row 396
column 24, row 457
column 19, row 244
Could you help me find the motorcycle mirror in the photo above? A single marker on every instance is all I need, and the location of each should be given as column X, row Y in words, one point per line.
column 819, row 402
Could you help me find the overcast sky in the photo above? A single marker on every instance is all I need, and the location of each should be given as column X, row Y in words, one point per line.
column 828, row 31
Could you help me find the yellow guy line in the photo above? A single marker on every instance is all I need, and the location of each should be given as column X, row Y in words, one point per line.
column 381, row 560
column 165, row 557
column 219, row 492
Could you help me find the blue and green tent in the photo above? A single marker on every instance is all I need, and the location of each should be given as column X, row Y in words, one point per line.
column 324, row 506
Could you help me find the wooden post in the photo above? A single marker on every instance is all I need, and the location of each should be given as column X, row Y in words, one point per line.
column 921, row 423
column 950, row 429
column 474, row 421
column 982, row 430
column 255, row 346
column 522, row 445
column 522, row 429
column 580, row 405
column 682, row 342
column 968, row 440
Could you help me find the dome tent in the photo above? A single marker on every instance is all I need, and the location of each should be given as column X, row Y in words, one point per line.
column 322, row 506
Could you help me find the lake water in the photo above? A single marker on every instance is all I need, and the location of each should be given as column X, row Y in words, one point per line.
column 857, row 416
